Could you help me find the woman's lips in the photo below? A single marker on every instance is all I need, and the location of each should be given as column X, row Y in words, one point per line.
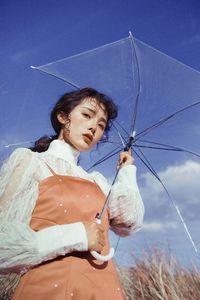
column 88, row 138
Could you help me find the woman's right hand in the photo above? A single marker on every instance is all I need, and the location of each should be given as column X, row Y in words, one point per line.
column 95, row 235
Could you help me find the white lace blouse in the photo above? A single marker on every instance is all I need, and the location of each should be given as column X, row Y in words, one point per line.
column 20, row 246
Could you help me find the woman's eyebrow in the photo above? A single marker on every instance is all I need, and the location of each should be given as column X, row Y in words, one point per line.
column 103, row 120
column 94, row 112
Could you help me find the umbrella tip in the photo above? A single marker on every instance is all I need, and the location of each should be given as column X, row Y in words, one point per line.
column 133, row 134
column 130, row 33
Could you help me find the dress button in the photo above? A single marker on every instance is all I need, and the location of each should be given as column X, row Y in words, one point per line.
column 55, row 285
column 61, row 204
column 60, row 179
column 65, row 211
column 87, row 196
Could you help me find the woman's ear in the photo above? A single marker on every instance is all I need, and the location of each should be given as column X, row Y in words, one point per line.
column 62, row 118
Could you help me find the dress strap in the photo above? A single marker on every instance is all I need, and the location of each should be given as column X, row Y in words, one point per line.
column 48, row 166
column 50, row 169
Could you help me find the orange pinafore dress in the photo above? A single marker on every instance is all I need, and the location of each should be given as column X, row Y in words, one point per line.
column 77, row 275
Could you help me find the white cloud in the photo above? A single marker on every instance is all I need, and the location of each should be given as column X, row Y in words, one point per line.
column 182, row 182
column 158, row 226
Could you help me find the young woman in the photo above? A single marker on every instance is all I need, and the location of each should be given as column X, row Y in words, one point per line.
column 49, row 204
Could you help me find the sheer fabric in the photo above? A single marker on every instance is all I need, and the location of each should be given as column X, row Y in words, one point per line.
column 20, row 175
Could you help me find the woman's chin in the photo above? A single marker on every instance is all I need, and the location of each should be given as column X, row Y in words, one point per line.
column 82, row 147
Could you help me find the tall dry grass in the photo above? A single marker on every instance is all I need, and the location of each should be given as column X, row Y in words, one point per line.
column 160, row 278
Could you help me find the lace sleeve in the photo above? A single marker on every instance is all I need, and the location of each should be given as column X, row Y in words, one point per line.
column 18, row 246
column 125, row 203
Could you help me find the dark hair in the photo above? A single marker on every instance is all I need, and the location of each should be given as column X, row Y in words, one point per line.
column 66, row 104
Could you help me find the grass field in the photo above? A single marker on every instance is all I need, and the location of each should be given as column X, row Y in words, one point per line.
column 157, row 277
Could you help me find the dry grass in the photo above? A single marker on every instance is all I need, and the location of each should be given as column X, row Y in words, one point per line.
column 159, row 278
column 7, row 285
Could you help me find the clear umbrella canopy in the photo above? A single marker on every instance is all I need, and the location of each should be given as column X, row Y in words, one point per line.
column 148, row 87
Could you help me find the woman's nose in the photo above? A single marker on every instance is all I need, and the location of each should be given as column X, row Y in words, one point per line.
column 93, row 129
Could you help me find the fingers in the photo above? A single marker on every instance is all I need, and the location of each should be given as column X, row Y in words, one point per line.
column 100, row 238
column 125, row 158
column 100, row 242
column 95, row 235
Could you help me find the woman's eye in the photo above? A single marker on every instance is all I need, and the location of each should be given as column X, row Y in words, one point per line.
column 86, row 115
column 102, row 126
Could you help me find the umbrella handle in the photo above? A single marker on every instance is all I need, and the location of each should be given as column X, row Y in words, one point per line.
column 103, row 257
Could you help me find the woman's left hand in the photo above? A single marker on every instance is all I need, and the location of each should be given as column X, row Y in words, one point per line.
column 125, row 159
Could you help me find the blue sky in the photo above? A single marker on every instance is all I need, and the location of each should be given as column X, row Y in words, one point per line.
column 39, row 32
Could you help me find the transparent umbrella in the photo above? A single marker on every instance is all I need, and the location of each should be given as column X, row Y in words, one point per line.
column 158, row 99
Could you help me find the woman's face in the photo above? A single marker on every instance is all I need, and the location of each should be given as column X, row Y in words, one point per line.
column 85, row 125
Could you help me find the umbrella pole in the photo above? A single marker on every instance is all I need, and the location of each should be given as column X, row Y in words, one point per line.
column 99, row 215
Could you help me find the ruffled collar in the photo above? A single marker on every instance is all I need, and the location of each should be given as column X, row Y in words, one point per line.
column 61, row 149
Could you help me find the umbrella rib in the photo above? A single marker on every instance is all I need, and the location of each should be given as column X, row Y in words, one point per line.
column 156, row 148
column 122, row 139
column 171, row 148
column 108, row 142
column 85, row 52
column 55, row 76
column 172, row 201
column 163, row 120
column 108, row 155
column 121, row 127
column 134, row 54
column 145, row 162
column 16, row 144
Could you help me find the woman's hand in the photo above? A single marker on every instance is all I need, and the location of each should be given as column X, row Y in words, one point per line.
column 125, row 159
column 95, row 235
